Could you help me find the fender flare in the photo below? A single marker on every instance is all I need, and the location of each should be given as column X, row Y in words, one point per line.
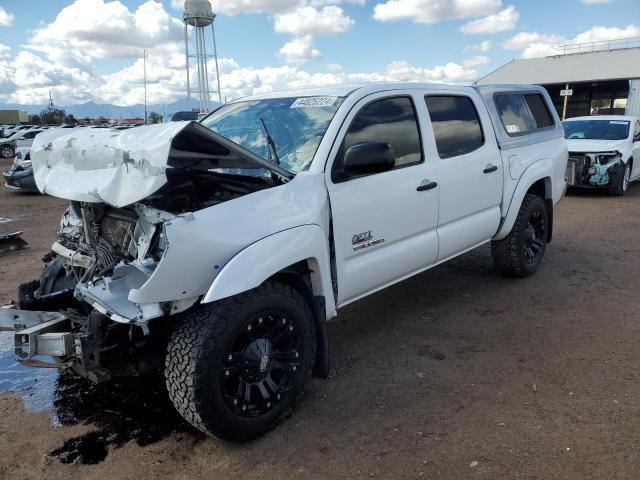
column 261, row 260
column 542, row 169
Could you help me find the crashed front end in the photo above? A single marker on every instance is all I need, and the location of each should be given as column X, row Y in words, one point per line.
column 20, row 174
column 597, row 169
column 105, row 303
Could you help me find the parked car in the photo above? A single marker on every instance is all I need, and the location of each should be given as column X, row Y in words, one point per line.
column 20, row 175
column 184, row 116
column 21, row 138
column 218, row 251
column 604, row 152
column 11, row 129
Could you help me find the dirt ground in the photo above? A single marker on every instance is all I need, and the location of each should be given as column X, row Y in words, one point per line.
column 456, row 373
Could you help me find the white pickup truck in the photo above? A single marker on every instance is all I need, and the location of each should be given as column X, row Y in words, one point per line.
column 218, row 250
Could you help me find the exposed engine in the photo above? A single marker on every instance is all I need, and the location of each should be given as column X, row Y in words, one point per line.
column 102, row 253
column 593, row 169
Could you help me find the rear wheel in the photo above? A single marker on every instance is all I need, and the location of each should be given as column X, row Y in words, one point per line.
column 520, row 253
column 7, row 151
column 236, row 368
column 621, row 180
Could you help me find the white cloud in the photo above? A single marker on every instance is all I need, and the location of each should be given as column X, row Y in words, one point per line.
column 534, row 44
column 7, row 72
column 235, row 7
column 476, row 61
column 525, row 39
column 6, row 18
column 598, row 34
column 432, row 11
column 109, row 29
column 499, row 22
column 330, row 20
column 483, row 46
column 299, row 50
column 61, row 56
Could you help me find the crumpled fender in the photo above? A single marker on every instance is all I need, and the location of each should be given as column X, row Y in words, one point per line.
column 543, row 168
column 266, row 257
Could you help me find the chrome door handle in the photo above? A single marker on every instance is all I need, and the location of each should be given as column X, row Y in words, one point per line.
column 427, row 186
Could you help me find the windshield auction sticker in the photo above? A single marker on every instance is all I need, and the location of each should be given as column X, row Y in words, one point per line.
column 314, row 102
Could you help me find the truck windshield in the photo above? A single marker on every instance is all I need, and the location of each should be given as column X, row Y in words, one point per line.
column 285, row 131
column 596, row 130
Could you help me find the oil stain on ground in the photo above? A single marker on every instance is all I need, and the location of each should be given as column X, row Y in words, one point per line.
column 135, row 410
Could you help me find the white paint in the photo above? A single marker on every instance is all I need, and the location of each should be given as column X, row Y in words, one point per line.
column 234, row 246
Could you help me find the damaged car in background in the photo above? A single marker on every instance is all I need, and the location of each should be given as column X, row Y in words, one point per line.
column 20, row 174
column 215, row 252
column 604, row 152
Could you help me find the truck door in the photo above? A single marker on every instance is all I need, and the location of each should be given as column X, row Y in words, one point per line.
column 470, row 171
column 384, row 224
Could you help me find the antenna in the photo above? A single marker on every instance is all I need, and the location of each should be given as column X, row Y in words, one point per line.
column 198, row 14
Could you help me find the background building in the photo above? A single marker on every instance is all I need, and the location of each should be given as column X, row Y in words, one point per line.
column 602, row 77
column 13, row 117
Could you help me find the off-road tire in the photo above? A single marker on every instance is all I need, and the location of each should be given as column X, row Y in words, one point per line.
column 194, row 361
column 508, row 253
column 7, row 151
column 618, row 186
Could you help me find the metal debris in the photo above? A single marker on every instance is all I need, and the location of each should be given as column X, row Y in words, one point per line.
column 12, row 241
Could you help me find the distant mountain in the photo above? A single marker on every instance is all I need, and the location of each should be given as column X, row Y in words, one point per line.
column 95, row 110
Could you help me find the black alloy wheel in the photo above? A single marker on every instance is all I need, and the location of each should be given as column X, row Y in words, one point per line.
column 260, row 363
column 535, row 241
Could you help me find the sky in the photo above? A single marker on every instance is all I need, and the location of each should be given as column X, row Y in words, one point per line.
column 91, row 50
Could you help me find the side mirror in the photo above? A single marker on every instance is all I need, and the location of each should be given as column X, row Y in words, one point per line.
column 369, row 157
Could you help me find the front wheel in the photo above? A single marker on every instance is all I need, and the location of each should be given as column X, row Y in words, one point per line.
column 7, row 151
column 621, row 179
column 236, row 368
column 520, row 253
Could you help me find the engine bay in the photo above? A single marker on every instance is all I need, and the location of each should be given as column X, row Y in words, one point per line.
column 593, row 169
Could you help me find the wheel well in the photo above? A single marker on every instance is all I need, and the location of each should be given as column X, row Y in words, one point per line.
column 298, row 277
column 542, row 188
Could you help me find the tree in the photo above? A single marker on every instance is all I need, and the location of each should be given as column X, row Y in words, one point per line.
column 155, row 117
column 52, row 116
column 70, row 120
column 35, row 120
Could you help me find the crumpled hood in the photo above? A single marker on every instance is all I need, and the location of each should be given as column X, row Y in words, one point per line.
column 122, row 167
column 595, row 146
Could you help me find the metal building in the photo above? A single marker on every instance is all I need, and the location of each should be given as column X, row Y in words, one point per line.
column 585, row 79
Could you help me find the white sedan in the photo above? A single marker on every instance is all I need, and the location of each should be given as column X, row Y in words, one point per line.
column 19, row 139
column 604, row 151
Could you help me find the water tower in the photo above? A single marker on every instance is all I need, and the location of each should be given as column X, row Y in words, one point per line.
column 198, row 15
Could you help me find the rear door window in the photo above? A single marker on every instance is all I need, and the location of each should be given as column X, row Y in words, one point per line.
column 541, row 116
column 523, row 113
column 456, row 125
